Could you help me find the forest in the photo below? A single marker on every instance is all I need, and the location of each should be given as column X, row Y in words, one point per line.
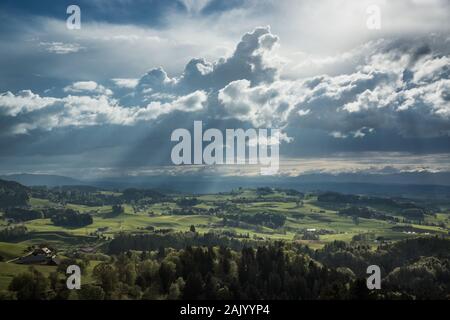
column 412, row 269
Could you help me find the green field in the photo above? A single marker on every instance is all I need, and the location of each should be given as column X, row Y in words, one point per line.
column 313, row 216
column 307, row 214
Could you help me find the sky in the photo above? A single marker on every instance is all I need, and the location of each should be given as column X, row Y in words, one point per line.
column 104, row 99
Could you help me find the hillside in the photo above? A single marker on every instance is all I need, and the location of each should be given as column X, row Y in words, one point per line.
column 13, row 194
column 41, row 180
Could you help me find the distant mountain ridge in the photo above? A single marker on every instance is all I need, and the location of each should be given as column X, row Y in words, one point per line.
column 28, row 179
column 421, row 184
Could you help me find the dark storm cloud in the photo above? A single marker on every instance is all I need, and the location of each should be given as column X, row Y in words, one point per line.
column 118, row 11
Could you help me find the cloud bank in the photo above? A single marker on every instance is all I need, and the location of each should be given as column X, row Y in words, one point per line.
column 390, row 94
column 402, row 87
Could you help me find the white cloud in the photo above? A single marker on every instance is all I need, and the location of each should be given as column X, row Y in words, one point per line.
column 127, row 83
column 262, row 105
column 338, row 135
column 401, row 87
column 190, row 103
column 61, row 48
column 432, row 69
column 86, row 87
column 24, row 102
column 30, row 111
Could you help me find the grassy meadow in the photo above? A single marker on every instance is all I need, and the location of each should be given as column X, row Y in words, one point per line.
column 300, row 215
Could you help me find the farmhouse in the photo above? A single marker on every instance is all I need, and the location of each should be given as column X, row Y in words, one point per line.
column 41, row 256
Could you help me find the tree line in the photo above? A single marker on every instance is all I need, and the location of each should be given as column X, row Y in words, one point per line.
column 411, row 269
